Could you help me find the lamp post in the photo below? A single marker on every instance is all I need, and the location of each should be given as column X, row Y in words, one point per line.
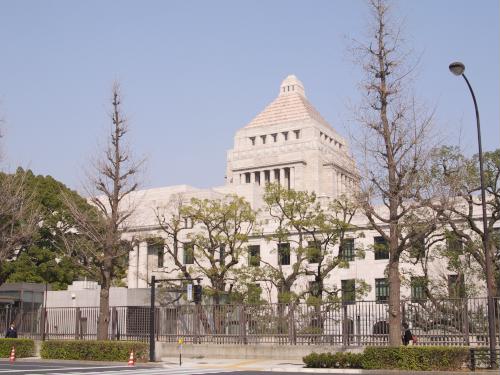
column 458, row 68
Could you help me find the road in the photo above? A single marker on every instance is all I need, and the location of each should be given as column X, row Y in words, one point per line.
column 53, row 368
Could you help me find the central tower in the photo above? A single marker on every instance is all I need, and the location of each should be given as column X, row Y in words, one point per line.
column 289, row 142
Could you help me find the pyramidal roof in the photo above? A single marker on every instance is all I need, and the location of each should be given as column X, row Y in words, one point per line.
column 290, row 105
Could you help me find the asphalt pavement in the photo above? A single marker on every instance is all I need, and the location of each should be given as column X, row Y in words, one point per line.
column 199, row 366
column 41, row 367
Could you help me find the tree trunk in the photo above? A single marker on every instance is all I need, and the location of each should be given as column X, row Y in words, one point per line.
column 394, row 301
column 103, row 320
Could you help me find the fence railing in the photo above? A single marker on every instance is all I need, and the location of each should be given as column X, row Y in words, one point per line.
column 437, row 322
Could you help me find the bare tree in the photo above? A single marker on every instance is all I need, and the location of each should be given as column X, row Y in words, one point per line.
column 395, row 132
column 97, row 234
column 18, row 216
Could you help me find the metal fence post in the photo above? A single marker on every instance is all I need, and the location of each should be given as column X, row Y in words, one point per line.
column 465, row 319
column 344, row 326
column 243, row 324
column 291, row 324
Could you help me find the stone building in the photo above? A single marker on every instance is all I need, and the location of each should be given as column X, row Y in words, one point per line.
column 289, row 142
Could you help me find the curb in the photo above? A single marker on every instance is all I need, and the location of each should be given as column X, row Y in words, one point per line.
column 375, row 372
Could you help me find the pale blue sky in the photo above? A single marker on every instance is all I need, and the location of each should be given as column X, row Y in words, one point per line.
column 193, row 72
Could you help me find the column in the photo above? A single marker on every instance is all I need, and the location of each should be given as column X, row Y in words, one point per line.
column 133, row 258
column 252, row 178
column 337, row 183
column 292, row 177
column 271, row 176
column 142, row 279
column 282, row 177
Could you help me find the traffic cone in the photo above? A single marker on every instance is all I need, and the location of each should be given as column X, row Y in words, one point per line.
column 131, row 359
column 13, row 355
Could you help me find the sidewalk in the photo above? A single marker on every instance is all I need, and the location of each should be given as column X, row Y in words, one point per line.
column 293, row 366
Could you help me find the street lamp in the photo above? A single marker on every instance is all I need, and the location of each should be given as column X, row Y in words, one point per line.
column 458, row 68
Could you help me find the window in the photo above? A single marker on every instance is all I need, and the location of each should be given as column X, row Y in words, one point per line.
column 418, row 284
column 155, row 248
column 285, row 136
column 348, row 291
column 456, row 286
column 188, row 223
column 284, row 254
column 313, row 251
column 189, row 253
column 346, row 250
column 222, row 255
column 161, row 257
column 417, row 248
column 252, row 140
column 297, row 134
column 381, row 290
column 454, row 244
column 381, row 248
column 254, row 255
column 275, row 137
column 263, row 137
column 247, row 178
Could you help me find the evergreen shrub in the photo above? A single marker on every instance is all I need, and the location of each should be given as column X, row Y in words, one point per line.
column 94, row 350
column 333, row 360
column 416, row 358
column 420, row 358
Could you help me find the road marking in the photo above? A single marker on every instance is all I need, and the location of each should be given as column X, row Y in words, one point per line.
column 115, row 371
column 10, row 370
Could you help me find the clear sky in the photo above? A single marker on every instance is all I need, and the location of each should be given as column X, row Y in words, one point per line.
column 193, row 72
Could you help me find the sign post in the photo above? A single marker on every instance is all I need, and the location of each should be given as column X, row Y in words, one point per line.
column 181, row 341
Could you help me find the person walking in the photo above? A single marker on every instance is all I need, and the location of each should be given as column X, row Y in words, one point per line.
column 11, row 331
column 407, row 335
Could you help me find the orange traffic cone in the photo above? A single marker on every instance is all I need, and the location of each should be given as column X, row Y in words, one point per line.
column 13, row 355
column 131, row 359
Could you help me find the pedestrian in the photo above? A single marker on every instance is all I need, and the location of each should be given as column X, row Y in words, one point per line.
column 11, row 331
column 407, row 335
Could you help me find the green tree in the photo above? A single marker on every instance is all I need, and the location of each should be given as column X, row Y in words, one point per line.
column 459, row 206
column 43, row 259
column 221, row 228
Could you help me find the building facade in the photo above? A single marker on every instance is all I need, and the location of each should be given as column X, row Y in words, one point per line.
column 288, row 143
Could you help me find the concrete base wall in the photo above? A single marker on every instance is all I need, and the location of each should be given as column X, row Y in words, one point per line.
column 261, row 351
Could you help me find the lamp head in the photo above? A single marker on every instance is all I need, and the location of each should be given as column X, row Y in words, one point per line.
column 457, row 68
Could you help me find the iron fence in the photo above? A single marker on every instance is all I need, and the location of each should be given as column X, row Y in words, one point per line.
column 434, row 322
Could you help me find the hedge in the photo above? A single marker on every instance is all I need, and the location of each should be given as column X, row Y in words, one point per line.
column 94, row 350
column 24, row 347
column 333, row 360
column 424, row 358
